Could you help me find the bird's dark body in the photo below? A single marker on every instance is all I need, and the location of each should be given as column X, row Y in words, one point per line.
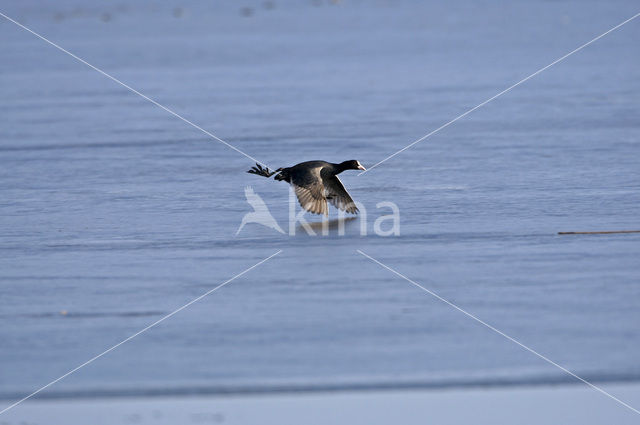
column 300, row 172
column 315, row 183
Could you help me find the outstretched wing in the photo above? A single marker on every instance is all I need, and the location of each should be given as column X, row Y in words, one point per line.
column 338, row 195
column 311, row 199
column 307, row 184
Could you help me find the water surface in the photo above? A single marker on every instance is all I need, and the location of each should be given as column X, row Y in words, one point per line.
column 114, row 213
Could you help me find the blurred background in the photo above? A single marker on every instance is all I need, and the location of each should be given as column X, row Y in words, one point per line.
column 113, row 212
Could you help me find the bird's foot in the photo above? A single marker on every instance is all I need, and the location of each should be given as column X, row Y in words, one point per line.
column 260, row 171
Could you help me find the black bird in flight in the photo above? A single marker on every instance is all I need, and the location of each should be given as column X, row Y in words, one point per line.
column 315, row 183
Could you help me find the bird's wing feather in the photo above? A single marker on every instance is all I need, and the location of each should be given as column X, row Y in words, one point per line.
column 311, row 199
column 338, row 195
column 309, row 189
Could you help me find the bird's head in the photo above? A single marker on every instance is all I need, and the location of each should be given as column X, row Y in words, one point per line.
column 353, row 165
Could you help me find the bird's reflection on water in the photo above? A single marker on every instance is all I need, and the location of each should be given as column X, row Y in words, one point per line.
column 333, row 225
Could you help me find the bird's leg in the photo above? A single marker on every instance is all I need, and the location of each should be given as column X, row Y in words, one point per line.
column 260, row 171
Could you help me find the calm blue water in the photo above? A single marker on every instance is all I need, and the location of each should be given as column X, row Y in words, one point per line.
column 117, row 213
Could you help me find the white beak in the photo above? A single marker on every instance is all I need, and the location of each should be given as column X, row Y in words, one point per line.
column 360, row 167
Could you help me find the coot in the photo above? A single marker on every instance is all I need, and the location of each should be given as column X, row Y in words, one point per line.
column 315, row 183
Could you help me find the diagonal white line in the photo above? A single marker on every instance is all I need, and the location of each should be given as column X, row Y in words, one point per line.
column 139, row 332
column 175, row 114
column 499, row 332
column 501, row 93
